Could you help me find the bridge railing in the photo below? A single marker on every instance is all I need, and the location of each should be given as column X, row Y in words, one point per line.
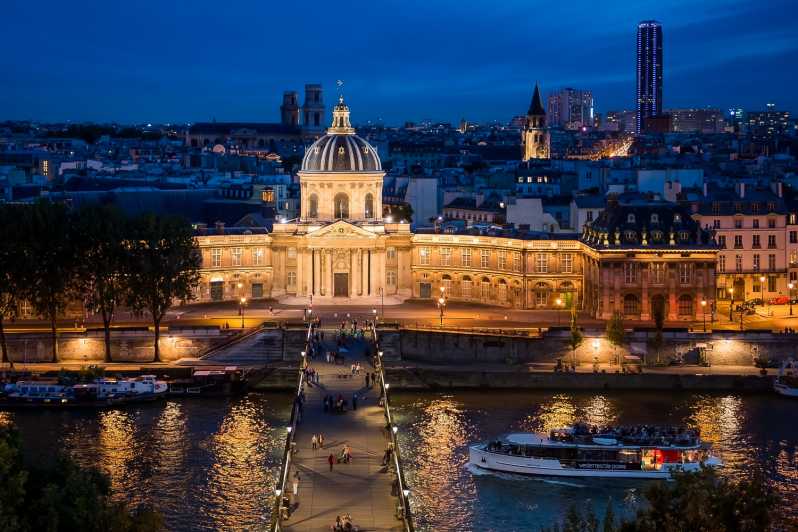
column 285, row 467
column 396, row 463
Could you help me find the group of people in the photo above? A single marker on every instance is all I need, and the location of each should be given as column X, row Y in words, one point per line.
column 317, row 441
column 344, row 457
column 343, row 524
column 335, row 405
column 311, row 375
column 386, row 456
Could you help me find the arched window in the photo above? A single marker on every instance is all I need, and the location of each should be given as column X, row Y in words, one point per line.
column 631, row 305
column 369, row 207
column 485, row 288
column 685, row 305
column 542, row 294
column 446, row 284
column 313, row 206
column 466, row 287
column 341, row 206
column 502, row 295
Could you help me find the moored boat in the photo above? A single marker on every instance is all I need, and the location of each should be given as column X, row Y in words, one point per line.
column 101, row 392
column 786, row 382
column 637, row 452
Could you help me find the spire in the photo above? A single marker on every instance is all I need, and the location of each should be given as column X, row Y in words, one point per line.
column 536, row 107
column 340, row 123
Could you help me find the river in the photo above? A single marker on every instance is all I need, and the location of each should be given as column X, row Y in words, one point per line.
column 209, row 464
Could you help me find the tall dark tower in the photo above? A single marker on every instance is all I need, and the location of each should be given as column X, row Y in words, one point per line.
column 649, row 71
column 289, row 111
column 313, row 109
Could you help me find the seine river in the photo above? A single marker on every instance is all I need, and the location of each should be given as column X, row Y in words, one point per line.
column 210, row 464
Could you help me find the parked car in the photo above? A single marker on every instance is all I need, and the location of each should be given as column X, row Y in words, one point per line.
column 746, row 309
column 755, row 301
column 779, row 300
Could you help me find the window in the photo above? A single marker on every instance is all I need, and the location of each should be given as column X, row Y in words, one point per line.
column 446, row 256
column 685, row 273
column 793, row 237
column 465, row 256
column 631, row 305
column 541, row 263
column 516, row 261
column 235, row 254
column 771, row 283
column 484, row 258
column 291, row 253
column 716, row 224
column 755, row 242
column 216, row 258
column 502, row 259
column 368, row 208
column 589, row 216
column 446, row 284
column 657, row 270
column 685, row 305
column 722, row 263
column 390, row 254
column 257, row 257
column 756, row 223
column 291, row 279
column 341, row 206
column 738, row 241
column 541, row 297
column 630, row 219
column 423, row 254
column 466, row 288
column 771, row 262
column 629, row 272
column 771, row 241
column 771, row 223
column 738, row 223
column 793, row 257
column 722, row 241
column 654, row 218
column 567, row 263
column 738, row 263
column 313, row 206
column 391, row 278
column 756, row 262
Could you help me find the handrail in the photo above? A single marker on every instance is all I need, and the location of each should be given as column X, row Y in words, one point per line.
column 404, row 491
column 229, row 342
column 276, row 522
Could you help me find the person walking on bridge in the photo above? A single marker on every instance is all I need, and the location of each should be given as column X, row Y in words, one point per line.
column 331, row 461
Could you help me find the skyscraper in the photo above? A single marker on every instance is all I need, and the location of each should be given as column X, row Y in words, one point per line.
column 570, row 109
column 649, row 71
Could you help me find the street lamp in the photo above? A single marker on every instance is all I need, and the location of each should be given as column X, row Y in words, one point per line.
column 731, row 302
column 704, row 313
column 558, row 304
column 790, row 286
column 762, row 289
column 242, row 302
column 441, row 305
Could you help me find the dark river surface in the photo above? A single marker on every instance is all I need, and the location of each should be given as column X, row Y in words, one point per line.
column 211, row 464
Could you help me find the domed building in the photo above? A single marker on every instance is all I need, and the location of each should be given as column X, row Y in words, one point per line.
column 340, row 246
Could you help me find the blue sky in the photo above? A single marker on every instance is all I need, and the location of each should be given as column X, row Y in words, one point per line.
column 162, row 60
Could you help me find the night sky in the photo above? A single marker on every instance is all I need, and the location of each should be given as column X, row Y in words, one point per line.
column 162, row 60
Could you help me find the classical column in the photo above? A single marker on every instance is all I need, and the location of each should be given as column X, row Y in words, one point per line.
column 322, row 265
column 356, row 272
column 331, row 269
column 301, row 284
column 645, row 312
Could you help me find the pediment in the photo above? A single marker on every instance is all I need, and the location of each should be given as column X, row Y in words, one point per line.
column 341, row 229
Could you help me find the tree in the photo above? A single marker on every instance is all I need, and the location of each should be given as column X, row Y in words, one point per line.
column 576, row 338
column 658, row 313
column 60, row 496
column 50, row 260
column 99, row 232
column 615, row 333
column 164, row 266
column 11, row 271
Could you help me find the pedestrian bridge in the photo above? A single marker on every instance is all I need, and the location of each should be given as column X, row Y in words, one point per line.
column 372, row 492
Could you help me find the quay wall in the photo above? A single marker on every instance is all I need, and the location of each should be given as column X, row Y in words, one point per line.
column 126, row 346
column 463, row 348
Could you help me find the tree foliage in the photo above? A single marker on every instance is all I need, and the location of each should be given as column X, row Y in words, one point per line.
column 576, row 338
column 615, row 333
column 60, row 497
column 693, row 501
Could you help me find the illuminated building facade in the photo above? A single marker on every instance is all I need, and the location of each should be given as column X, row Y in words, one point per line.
column 535, row 136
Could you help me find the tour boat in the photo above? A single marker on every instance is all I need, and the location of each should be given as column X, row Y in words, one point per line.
column 638, row 452
column 101, row 392
column 786, row 382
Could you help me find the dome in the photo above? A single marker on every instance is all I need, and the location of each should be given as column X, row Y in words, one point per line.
column 340, row 150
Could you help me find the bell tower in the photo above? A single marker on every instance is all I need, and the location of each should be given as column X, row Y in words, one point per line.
column 535, row 136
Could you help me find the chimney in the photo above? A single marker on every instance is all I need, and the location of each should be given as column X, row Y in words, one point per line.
column 706, row 189
column 741, row 190
column 775, row 186
column 219, row 228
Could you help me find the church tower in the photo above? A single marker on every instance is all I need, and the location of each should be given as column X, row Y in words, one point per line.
column 289, row 111
column 535, row 136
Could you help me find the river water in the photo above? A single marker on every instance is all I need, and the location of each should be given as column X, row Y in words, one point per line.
column 210, row 464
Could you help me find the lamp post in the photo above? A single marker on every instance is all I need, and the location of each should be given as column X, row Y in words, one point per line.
column 382, row 303
column 762, row 290
column 558, row 304
column 441, row 305
column 242, row 302
column 731, row 302
column 790, row 286
column 704, row 313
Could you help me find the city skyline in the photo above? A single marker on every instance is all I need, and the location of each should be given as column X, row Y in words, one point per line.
column 482, row 65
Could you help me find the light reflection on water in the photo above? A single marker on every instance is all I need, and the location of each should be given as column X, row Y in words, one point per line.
column 205, row 464
column 747, row 431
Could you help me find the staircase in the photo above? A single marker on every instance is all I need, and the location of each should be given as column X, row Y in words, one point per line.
column 256, row 350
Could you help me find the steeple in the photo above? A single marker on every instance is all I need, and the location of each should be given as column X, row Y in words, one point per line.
column 536, row 107
column 340, row 123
